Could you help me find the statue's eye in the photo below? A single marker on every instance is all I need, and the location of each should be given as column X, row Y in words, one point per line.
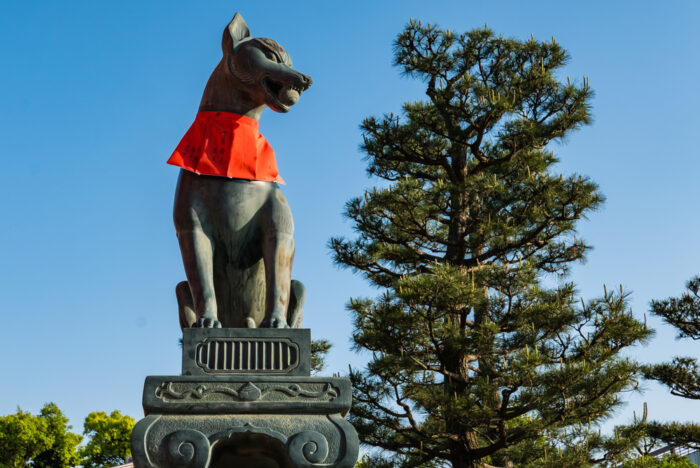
column 271, row 56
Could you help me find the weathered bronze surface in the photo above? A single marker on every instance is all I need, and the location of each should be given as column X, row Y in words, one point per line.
column 236, row 235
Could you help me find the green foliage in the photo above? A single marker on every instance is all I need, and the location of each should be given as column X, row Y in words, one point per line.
column 44, row 440
column 682, row 312
column 319, row 349
column 668, row 461
column 110, row 436
column 22, row 437
column 38, row 441
column 675, row 433
column 372, row 462
column 682, row 375
column 62, row 452
column 475, row 357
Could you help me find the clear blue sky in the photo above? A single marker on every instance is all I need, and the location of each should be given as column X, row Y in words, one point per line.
column 95, row 96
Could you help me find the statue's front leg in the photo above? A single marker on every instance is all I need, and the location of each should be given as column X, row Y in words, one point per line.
column 278, row 254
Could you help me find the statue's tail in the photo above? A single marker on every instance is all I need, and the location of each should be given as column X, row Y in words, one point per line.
column 185, row 305
column 295, row 311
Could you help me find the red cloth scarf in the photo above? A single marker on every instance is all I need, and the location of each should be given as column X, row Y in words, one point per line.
column 228, row 145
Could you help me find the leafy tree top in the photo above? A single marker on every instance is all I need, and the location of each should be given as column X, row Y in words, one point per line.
column 110, row 439
column 42, row 441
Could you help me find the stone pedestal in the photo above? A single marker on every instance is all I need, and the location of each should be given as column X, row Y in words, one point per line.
column 245, row 399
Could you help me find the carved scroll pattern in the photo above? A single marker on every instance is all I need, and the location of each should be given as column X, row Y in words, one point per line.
column 308, row 447
column 247, row 392
column 188, row 448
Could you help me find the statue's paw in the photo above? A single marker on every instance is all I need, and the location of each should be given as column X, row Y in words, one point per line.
column 207, row 322
column 250, row 323
column 279, row 324
column 275, row 323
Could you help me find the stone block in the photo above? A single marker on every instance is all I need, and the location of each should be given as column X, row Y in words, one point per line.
column 245, row 399
column 268, row 351
column 246, row 395
column 214, row 441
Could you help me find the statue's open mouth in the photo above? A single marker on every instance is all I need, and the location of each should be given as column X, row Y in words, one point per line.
column 284, row 95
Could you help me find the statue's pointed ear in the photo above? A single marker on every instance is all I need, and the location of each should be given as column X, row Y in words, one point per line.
column 235, row 33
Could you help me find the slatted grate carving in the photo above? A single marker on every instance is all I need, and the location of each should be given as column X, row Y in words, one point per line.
column 241, row 356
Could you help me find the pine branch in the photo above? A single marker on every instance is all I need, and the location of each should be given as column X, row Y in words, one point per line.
column 682, row 376
column 682, row 312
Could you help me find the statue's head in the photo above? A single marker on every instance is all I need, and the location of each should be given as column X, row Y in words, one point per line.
column 262, row 67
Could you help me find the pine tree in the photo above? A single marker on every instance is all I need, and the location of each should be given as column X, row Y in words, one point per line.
column 481, row 353
column 682, row 375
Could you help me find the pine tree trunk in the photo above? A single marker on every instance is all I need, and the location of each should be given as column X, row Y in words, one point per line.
column 455, row 253
column 460, row 454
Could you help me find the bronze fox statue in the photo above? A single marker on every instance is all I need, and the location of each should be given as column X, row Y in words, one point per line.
column 235, row 232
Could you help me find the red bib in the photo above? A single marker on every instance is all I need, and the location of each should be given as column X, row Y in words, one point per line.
column 228, row 145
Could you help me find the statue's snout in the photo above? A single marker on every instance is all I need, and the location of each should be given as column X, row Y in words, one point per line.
column 290, row 95
column 306, row 81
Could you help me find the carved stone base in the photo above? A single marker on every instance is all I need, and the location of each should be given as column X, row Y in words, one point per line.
column 206, row 440
column 231, row 415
